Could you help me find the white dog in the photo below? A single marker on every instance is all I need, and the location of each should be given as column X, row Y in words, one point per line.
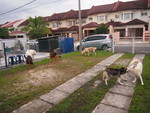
column 30, row 53
column 136, row 67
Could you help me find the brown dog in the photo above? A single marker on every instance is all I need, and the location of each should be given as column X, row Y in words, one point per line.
column 88, row 50
column 54, row 56
column 29, row 61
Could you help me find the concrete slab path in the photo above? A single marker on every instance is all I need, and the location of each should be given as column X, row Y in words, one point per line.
column 118, row 99
column 46, row 101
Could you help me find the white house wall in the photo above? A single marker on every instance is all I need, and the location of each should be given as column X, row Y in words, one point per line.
column 11, row 42
column 111, row 16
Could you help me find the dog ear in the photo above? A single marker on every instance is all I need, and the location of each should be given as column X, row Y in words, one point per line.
column 122, row 69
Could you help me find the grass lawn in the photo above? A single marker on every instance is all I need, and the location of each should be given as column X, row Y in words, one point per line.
column 18, row 85
column 141, row 100
column 85, row 99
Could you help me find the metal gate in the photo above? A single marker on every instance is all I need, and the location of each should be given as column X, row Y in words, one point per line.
column 132, row 45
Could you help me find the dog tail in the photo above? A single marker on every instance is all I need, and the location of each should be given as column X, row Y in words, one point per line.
column 134, row 62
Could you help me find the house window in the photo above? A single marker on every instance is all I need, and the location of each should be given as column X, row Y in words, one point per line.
column 55, row 24
column 71, row 23
column 102, row 18
column 144, row 14
column 127, row 16
column 83, row 21
column 90, row 18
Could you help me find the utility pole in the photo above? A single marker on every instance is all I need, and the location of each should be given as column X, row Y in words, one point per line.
column 80, row 30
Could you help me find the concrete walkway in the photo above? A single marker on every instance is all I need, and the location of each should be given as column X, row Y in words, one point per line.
column 45, row 102
column 118, row 99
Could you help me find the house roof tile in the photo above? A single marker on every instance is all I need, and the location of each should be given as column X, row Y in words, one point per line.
column 11, row 23
column 114, row 23
column 119, row 6
column 24, row 23
column 73, row 28
column 101, row 9
column 140, row 4
column 92, row 24
column 60, row 29
column 72, row 14
column 136, row 22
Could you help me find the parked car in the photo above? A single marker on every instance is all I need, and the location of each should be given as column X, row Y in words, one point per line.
column 100, row 41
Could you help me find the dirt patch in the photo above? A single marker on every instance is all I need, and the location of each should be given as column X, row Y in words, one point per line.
column 47, row 75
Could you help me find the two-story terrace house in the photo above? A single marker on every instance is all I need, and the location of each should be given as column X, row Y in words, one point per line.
column 66, row 23
column 129, row 18
column 14, row 30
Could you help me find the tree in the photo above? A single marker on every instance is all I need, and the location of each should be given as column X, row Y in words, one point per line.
column 102, row 29
column 37, row 28
column 4, row 33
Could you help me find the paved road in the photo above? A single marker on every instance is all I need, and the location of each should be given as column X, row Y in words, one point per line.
column 127, row 48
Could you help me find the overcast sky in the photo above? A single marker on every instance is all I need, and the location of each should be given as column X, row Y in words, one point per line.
column 43, row 7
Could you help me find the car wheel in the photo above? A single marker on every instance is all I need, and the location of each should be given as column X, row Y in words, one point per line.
column 104, row 47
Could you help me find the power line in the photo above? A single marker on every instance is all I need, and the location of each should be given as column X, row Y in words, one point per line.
column 36, row 7
column 17, row 8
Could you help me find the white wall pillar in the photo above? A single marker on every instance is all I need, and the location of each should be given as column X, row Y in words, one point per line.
column 126, row 32
column 144, row 33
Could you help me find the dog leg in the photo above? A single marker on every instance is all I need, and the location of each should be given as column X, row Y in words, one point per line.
column 134, row 79
column 95, row 53
column 141, row 79
column 119, row 80
column 88, row 53
column 105, row 77
column 106, row 82
column 123, row 78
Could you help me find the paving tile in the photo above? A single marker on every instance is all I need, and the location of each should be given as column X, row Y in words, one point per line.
column 80, row 80
column 89, row 75
column 54, row 96
column 69, row 87
column 122, row 90
column 116, row 100
column 95, row 70
column 101, row 108
column 35, row 106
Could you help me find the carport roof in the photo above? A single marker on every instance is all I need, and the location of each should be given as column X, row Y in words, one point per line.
column 136, row 22
column 92, row 24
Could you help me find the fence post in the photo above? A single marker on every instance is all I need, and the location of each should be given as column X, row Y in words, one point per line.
column 5, row 55
column 113, row 45
column 133, row 45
